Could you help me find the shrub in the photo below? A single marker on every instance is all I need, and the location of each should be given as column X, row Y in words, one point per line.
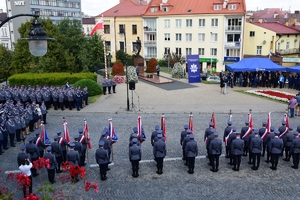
column 178, row 70
column 163, row 63
column 118, row 69
column 151, row 66
column 93, row 87
column 132, row 76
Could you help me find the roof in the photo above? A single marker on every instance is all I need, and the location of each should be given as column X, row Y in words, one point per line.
column 90, row 20
column 277, row 27
column 281, row 20
column 269, row 13
column 297, row 27
column 125, row 8
column 3, row 16
column 190, row 7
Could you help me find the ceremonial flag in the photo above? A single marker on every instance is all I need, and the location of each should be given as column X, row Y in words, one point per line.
column 286, row 119
column 191, row 123
column 227, row 137
column 213, row 120
column 44, row 135
column 66, row 131
column 268, row 127
column 111, row 132
column 98, row 26
column 250, row 120
column 163, row 127
column 86, row 134
column 140, row 129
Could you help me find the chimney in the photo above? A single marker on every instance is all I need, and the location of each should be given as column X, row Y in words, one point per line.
column 225, row 3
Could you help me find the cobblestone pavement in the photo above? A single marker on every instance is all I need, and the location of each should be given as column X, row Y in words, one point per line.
column 175, row 182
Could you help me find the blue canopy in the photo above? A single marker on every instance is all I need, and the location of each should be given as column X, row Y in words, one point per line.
column 255, row 64
column 293, row 69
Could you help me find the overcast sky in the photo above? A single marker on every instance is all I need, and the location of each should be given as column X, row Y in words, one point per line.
column 95, row 7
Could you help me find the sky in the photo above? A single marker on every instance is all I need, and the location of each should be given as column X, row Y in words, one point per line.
column 95, row 7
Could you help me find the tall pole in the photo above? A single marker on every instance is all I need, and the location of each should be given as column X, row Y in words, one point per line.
column 126, row 70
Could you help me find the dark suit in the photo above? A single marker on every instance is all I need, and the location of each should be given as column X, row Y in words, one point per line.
column 53, row 166
column 255, row 148
column 295, row 150
column 237, row 149
column 215, row 150
column 191, row 151
column 135, row 155
column 275, row 147
column 102, row 159
column 287, row 143
column 159, row 152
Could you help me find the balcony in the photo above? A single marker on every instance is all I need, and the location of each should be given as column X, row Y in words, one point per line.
column 150, row 55
column 233, row 28
column 150, row 43
column 233, row 44
column 287, row 51
column 149, row 29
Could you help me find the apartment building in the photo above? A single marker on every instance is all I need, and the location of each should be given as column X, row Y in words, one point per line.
column 4, row 32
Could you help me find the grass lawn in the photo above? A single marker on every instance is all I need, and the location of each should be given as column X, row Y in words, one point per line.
column 210, row 82
column 166, row 70
column 93, row 98
column 262, row 97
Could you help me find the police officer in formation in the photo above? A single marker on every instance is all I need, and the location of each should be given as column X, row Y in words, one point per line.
column 295, row 150
column 287, row 143
column 207, row 133
column 57, row 152
column 107, row 142
column 232, row 137
column 255, row 148
column 191, row 152
column 135, row 155
column 154, row 135
column 1, row 140
column 159, row 152
column 22, row 155
column 102, row 159
column 34, row 153
column 63, row 144
column 227, row 131
column 184, row 142
column 237, row 150
column 245, row 132
column 215, row 150
column 39, row 143
column 84, row 143
column 209, row 138
column 251, row 135
column 270, row 136
column 74, row 159
column 275, row 148
column 263, row 130
column 53, row 164
column 182, row 136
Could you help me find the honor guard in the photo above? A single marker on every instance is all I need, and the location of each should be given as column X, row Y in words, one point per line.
column 275, row 148
column 57, row 152
column 84, row 143
column 208, row 140
column 251, row 135
column 159, row 152
column 107, row 145
column 182, row 136
column 34, row 153
column 102, row 160
column 287, row 143
column 270, row 136
column 215, row 150
column 232, row 137
column 185, row 140
column 256, row 145
column 245, row 132
column 74, row 159
column 23, row 155
column 262, row 131
column 191, row 152
column 78, row 147
column 63, row 144
column 39, row 143
column 154, row 135
column 227, row 131
column 237, row 149
column 295, row 150
column 135, row 155
column 207, row 133
column 53, row 164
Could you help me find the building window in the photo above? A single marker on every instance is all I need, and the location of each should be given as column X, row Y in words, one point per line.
column 167, row 50
column 217, row 7
column 232, row 7
column 153, row 9
column 121, row 26
column 166, row 9
column 134, row 29
column 201, row 22
column 252, row 33
column 167, row 36
column 287, row 45
column 134, row 47
column 122, row 46
column 213, row 51
column 107, row 45
column 178, row 23
column 201, row 51
column 233, row 52
column 214, row 22
column 106, row 29
column 167, row 23
column 188, row 37
column 189, row 23
column 233, row 37
column 214, row 37
column 188, row 51
column 201, row 37
column 258, row 50
column 178, row 51
column 178, row 37
column 278, row 45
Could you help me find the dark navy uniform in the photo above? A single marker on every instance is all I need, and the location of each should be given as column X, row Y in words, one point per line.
column 135, row 155
column 208, row 132
column 287, row 143
column 84, row 143
column 57, row 152
column 270, row 136
column 237, row 149
column 215, row 150
column 73, row 156
column 244, row 131
column 295, row 150
column 154, row 135
column 159, row 152
column 232, row 137
column 4, row 133
column 63, row 144
column 191, row 152
column 182, row 136
column 1, row 140
column 185, row 140
column 226, row 133
column 208, row 140
column 102, row 160
column 262, row 131
column 78, row 147
column 11, row 129
column 34, row 153
column 39, row 143
column 275, row 148
column 23, row 155
column 53, row 164
column 250, row 136
column 255, row 148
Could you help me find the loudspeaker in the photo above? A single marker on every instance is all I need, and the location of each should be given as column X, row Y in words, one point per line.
column 131, row 85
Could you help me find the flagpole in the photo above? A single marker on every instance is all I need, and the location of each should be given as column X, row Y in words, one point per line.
column 65, row 132
column 104, row 49
column 87, row 152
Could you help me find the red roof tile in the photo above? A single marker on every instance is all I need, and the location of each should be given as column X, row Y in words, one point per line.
column 182, row 7
column 277, row 27
column 125, row 8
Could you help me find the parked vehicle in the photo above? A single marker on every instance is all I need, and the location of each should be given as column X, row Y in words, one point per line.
column 213, row 79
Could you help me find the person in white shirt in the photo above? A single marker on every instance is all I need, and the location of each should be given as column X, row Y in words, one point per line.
column 25, row 169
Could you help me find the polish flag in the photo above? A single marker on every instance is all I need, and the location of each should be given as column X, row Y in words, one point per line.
column 191, row 123
column 98, row 26
column 86, row 134
column 268, row 128
column 163, row 127
column 66, row 132
column 213, row 120
column 250, row 120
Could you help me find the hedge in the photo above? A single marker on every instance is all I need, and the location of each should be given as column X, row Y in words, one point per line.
column 56, row 79
column 93, row 87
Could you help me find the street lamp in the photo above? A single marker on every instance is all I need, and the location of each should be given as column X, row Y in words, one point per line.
column 37, row 39
column 122, row 32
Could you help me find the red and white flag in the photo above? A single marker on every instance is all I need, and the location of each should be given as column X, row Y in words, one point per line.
column 163, row 127
column 213, row 120
column 98, row 26
column 86, row 134
column 66, row 131
column 250, row 120
column 268, row 127
column 191, row 123
column 227, row 137
column 140, row 129
column 286, row 119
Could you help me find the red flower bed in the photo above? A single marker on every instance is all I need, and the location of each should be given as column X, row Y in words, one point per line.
column 276, row 94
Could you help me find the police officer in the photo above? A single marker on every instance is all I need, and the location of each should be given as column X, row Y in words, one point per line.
column 84, row 143
column 39, row 143
column 74, row 159
column 237, row 149
column 56, row 150
column 53, row 165
column 251, row 135
column 34, row 153
column 215, row 150
column 275, row 148
column 185, row 140
column 154, row 135
column 262, row 131
column 102, row 160
column 11, row 129
column 104, row 85
column 22, row 155
column 107, row 145
column 227, row 131
column 245, row 132
column 287, row 143
column 63, row 144
column 268, row 139
column 135, row 155
column 295, row 150
column 191, row 151
column 4, row 133
column 78, row 147
column 207, row 133
column 283, row 129
column 85, row 96
column 232, row 137
column 159, row 152
column 182, row 136
column 1, row 140
column 44, row 112
column 113, row 84
column 255, row 148
column 208, row 140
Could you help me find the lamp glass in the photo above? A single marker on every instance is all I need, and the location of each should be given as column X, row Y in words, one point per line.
column 38, row 47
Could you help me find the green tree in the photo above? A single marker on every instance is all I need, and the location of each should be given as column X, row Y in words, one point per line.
column 121, row 55
column 173, row 58
column 6, row 58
